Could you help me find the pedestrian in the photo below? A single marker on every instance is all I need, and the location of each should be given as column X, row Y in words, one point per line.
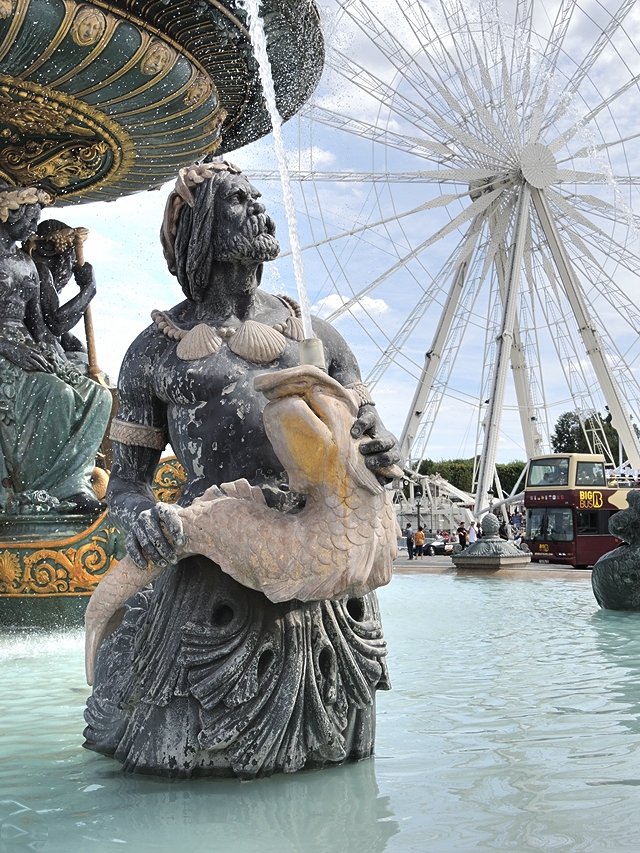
column 408, row 532
column 473, row 533
column 418, row 542
column 462, row 535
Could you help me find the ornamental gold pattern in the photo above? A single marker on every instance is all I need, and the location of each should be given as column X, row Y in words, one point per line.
column 72, row 566
column 75, row 565
column 105, row 98
column 169, row 480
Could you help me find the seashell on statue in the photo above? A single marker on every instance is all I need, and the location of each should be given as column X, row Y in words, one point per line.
column 293, row 328
column 257, row 342
column 199, row 342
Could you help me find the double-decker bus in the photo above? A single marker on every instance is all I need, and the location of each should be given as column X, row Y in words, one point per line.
column 569, row 499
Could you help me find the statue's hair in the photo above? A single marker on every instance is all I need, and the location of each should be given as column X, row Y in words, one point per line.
column 13, row 200
column 188, row 225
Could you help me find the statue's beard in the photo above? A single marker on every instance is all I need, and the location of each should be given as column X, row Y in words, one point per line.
column 257, row 242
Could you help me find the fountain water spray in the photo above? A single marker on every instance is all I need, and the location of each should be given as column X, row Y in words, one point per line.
column 311, row 351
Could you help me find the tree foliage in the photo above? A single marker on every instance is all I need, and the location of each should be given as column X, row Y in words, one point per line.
column 459, row 472
column 568, row 435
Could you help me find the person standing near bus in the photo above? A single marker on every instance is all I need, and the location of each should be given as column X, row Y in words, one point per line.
column 408, row 532
column 472, row 533
column 418, row 542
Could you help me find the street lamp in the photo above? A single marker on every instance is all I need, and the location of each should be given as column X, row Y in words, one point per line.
column 417, row 494
column 491, row 494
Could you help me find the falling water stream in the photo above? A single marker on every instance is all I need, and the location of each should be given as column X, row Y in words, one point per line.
column 259, row 41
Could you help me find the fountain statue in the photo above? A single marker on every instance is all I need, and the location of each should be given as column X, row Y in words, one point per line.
column 53, row 418
column 258, row 648
column 490, row 552
column 615, row 577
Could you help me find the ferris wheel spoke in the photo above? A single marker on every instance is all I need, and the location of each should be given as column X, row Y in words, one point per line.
column 590, row 59
column 391, row 48
column 381, row 92
column 507, row 93
column 435, row 176
column 474, row 208
column 454, row 268
column 602, row 208
column 439, row 201
column 564, row 138
column 428, row 149
column 587, row 151
column 569, row 210
column 441, row 357
column 558, row 34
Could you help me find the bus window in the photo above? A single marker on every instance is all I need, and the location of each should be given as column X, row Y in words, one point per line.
column 549, row 525
column 590, row 474
column 588, row 523
column 549, row 472
column 535, row 523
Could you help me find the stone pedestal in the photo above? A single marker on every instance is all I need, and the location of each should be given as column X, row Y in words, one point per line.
column 491, row 553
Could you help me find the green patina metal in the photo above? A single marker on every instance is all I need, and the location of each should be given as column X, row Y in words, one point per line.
column 104, row 99
column 50, row 564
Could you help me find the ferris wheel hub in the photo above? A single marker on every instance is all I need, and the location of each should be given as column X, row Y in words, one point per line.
column 538, row 165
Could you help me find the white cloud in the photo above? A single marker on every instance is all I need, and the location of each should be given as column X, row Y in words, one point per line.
column 308, row 158
column 367, row 305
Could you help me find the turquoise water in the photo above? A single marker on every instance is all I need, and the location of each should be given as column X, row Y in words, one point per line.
column 514, row 725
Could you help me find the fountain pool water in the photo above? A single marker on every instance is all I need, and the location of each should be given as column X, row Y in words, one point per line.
column 514, row 724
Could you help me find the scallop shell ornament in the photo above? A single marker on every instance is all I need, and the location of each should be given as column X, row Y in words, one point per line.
column 199, row 342
column 257, row 342
column 293, row 328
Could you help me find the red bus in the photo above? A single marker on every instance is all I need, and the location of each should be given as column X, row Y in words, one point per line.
column 569, row 499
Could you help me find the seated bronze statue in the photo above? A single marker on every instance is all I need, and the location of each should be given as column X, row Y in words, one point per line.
column 53, row 249
column 241, row 658
column 52, row 418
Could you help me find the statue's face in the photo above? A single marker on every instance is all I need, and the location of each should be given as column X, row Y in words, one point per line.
column 243, row 231
column 156, row 59
column 22, row 228
column 89, row 26
column 60, row 263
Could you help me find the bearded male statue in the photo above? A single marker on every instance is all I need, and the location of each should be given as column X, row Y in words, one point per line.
column 205, row 676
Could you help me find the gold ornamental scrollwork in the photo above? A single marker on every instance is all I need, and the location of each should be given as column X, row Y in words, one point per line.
column 71, row 567
column 169, row 480
column 58, row 142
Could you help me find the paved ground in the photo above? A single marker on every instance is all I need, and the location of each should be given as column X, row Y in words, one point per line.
column 444, row 566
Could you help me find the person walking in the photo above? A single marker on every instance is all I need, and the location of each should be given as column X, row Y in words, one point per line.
column 472, row 533
column 418, row 542
column 408, row 532
column 462, row 535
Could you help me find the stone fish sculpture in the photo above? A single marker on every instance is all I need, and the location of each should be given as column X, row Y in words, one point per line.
column 342, row 543
column 615, row 578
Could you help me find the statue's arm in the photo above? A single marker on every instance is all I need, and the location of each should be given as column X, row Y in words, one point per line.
column 381, row 451
column 139, row 436
column 62, row 318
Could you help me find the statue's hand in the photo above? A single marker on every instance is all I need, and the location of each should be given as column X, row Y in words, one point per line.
column 85, row 279
column 25, row 357
column 381, row 453
column 156, row 536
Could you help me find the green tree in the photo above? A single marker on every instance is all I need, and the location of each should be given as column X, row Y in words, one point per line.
column 568, row 435
column 459, row 472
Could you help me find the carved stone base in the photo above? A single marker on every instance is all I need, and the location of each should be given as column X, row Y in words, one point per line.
column 490, row 562
column 205, row 677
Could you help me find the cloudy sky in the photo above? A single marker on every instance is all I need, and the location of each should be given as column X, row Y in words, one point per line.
column 132, row 278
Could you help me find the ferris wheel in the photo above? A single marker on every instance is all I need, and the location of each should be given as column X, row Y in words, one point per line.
column 496, row 155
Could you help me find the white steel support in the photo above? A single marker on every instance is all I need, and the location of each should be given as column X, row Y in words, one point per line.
column 620, row 419
column 528, row 415
column 503, row 351
column 432, row 361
